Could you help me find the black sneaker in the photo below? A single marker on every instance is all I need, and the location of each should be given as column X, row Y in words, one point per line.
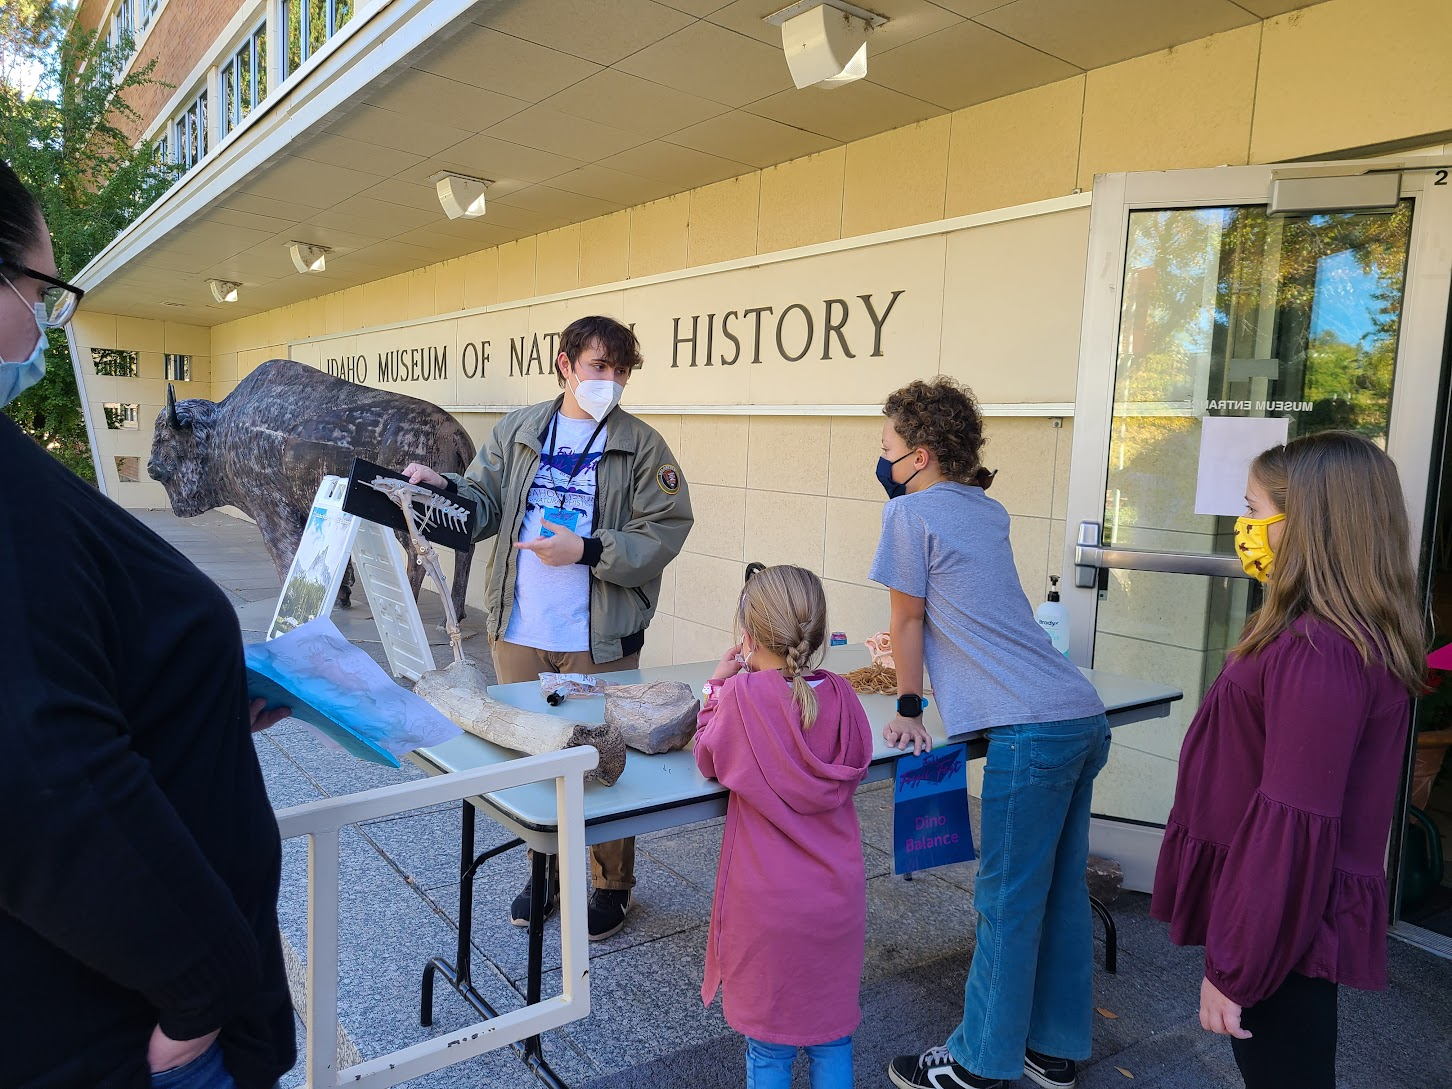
column 1048, row 1071
column 935, row 1069
column 519, row 910
column 608, row 908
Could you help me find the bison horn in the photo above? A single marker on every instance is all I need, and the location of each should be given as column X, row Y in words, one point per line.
column 171, row 416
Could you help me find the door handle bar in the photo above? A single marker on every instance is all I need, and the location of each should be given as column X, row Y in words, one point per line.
column 1089, row 558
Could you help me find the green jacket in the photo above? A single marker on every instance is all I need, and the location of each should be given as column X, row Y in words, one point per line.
column 642, row 516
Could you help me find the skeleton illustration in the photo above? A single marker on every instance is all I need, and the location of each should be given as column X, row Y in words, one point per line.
column 422, row 509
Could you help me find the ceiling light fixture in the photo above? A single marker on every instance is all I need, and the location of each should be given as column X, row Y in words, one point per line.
column 224, row 291
column 307, row 257
column 461, row 196
column 825, row 41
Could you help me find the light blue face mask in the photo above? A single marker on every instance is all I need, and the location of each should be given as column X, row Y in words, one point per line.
column 16, row 378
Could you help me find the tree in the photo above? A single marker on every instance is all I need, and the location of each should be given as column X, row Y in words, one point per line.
column 64, row 142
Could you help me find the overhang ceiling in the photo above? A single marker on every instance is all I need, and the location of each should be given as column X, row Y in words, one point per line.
column 578, row 108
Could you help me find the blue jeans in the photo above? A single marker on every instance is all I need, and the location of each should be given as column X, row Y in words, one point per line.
column 1031, row 981
column 206, row 1071
column 769, row 1066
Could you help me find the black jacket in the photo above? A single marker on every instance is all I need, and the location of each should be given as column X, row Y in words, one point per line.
column 140, row 860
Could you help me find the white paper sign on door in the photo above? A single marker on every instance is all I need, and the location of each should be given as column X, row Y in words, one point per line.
column 1228, row 444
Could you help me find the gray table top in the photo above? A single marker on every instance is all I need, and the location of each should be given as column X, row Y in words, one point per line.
column 653, row 784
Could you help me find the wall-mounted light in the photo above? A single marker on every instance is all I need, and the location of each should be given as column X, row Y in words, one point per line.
column 224, row 291
column 307, row 257
column 825, row 41
column 461, row 196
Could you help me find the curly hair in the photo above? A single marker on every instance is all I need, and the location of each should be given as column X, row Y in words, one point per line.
column 617, row 341
column 943, row 416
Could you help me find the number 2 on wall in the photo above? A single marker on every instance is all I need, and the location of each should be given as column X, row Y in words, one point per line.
column 1441, row 177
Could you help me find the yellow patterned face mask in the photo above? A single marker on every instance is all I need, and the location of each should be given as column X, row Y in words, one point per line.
column 1252, row 545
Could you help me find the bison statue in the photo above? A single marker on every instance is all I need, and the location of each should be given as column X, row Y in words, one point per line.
column 267, row 445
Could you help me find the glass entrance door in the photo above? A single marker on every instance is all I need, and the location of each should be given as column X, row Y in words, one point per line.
column 1211, row 324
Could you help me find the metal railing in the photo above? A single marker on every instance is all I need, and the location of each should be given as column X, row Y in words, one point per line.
column 321, row 821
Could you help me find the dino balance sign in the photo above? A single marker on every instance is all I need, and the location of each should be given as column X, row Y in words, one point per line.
column 930, row 810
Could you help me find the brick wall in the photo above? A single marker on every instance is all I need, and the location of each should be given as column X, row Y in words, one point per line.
column 181, row 36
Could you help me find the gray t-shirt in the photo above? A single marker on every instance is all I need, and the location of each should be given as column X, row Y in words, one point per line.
column 989, row 661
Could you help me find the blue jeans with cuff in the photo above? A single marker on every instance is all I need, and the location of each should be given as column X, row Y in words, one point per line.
column 769, row 1066
column 1031, row 981
column 206, row 1071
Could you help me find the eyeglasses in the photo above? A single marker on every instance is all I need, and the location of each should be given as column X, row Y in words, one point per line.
column 59, row 298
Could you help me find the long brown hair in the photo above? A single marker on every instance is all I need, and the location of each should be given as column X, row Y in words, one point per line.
column 1346, row 554
column 784, row 610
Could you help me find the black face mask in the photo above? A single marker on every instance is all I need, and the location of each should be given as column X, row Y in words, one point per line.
column 884, row 476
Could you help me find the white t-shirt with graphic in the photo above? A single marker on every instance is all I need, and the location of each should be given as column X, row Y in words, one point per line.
column 552, row 604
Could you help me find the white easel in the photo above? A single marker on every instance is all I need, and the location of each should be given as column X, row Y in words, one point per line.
column 382, row 571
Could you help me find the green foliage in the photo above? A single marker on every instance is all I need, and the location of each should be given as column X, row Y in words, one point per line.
column 65, row 143
column 115, row 363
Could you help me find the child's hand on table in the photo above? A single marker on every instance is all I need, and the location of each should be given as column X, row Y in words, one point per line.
column 902, row 732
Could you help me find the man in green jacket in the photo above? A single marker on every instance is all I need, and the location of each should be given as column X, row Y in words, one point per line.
column 586, row 506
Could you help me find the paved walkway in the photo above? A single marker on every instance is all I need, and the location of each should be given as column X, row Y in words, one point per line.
column 648, row 1028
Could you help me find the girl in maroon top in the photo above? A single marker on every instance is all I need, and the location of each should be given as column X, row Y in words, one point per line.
column 1274, row 852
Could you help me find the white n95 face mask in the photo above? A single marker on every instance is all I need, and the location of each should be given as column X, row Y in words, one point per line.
column 598, row 396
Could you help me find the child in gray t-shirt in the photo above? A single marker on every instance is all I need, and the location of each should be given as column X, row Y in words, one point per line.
column 956, row 601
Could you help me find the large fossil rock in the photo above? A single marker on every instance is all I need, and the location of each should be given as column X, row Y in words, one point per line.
column 459, row 691
column 656, row 717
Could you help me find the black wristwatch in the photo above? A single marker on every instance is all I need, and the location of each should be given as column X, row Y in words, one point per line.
column 911, row 706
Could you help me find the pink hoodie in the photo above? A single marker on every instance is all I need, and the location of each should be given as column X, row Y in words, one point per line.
column 790, row 913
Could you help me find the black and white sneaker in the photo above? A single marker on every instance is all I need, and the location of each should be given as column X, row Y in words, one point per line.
column 1048, row 1071
column 935, row 1069
column 519, row 910
column 607, row 910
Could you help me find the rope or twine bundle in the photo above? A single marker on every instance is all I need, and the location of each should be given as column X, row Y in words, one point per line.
column 879, row 678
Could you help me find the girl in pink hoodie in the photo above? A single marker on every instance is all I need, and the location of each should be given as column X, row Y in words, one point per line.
column 790, row 912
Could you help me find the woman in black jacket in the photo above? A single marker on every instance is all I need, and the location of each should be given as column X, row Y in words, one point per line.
column 139, row 873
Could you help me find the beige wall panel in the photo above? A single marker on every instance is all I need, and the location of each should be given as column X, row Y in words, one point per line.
column 670, row 428
column 856, row 446
column 448, row 291
column 660, row 638
column 334, row 315
column 478, row 425
column 709, row 589
column 699, row 643
column 481, row 278
column 669, row 580
column 658, row 235
column 94, row 330
column 713, row 450
column 605, row 249
column 421, row 299
column 785, row 528
column 853, row 529
column 1022, row 447
column 720, row 527
column 1063, row 458
column 224, row 370
column 860, row 611
column 1057, row 530
column 140, row 334
column 1030, row 540
column 1308, row 102
column 355, row 308
column 789, row 452
column 1017, row 149
column 557, row 267
column 1013, row 298
column 385, row 301
column 801, row 202
column 517, row 262
column 723, row 220
column 186, row 339
column 1184, row 107
column 897, row 178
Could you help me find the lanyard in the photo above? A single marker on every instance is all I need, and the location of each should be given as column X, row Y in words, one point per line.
column 579, row 461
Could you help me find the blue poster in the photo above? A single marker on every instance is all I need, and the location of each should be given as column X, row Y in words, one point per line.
column 930, row 810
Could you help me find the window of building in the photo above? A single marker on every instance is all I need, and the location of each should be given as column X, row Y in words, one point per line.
column 306, row 25
column 122, row 417
column 128, row 470
column 178, row 368
column 123, row 22
column 244, row 78
column 116, row 363
column 188, row 144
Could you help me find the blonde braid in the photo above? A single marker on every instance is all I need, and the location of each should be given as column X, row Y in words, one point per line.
column 797, row 658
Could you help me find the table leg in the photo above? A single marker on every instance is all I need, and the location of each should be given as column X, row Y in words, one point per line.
column 1111, row 935
column 458, row 975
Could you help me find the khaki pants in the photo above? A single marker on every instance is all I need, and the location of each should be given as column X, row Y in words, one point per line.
column 612, row 865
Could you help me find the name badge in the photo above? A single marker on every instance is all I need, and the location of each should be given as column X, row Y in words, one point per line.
column 570, row 519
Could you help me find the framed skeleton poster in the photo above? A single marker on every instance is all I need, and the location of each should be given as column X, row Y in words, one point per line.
column 445, row 518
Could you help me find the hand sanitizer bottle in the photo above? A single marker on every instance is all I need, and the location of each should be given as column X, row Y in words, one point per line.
column 1053, row 617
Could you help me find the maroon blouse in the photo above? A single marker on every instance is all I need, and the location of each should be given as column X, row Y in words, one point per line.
column 1273, row 857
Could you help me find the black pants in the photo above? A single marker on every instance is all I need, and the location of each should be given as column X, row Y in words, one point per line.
column 1293, row 1037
